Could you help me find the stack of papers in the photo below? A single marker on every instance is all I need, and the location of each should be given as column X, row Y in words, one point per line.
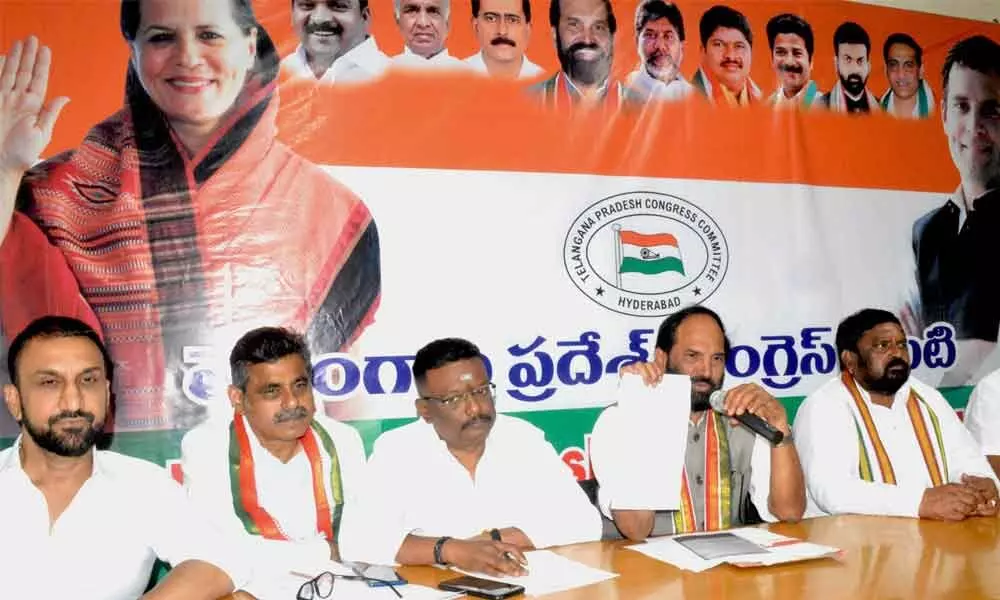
column 549, row 573
column 747, row 547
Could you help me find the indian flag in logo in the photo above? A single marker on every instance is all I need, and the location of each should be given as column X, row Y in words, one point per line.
column 648, row 253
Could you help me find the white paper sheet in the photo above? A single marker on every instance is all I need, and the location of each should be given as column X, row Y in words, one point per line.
column 549, row 573
column 638, row 446
column 780, row 549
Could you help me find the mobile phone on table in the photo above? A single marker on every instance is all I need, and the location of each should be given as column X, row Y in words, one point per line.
column 377, row 575
column 481, row 588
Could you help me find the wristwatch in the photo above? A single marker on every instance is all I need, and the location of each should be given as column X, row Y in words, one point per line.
column 437, row 550
column 495, row 535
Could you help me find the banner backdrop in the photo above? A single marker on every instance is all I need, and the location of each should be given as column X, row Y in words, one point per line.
column 554, row 220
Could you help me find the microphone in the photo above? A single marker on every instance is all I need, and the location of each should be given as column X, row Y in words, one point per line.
column 752, row 422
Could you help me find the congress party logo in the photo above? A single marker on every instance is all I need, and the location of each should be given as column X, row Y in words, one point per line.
column 645, row 254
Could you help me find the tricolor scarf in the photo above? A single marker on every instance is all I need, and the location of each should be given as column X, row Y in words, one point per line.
column 173, row 251
column 838, row 99
column 559, row 93
column 243, row 483
column 715, row 93
column 805, row 98
column 718, row 484
column 921, row 110
column 872, row 452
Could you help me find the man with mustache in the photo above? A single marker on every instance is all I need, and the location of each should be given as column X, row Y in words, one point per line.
column 503, row 29
column 94, row 521
column 727, row 45
column 659, row 33
column 790, row 38
column 424, row 26
column 908, row 96
column 335, row 45
column 877, row 441
column 949, row 242
column 463, row 485
column 720, row 489
column 584, row 32
column 852, row 59
column 275, row 475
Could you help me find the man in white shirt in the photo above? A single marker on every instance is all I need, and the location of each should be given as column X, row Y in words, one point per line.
column 790, row 38
column 85, row 523
column 720, row 489
column 659, row 32
column 982, row 417
column 463, row 485
column 276, row 475
column 335, row 43
column 503, row 29
column 877, row 441
column 424, row 26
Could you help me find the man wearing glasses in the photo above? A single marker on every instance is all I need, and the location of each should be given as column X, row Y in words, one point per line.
column 463, row 485
column 877, row 441
column 273, row 474
column 503, row 29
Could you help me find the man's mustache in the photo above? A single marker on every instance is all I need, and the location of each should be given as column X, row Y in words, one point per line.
column 292, row 414
column 855, row 79
column 582, row 46
column 696, row 379
column 476, row 420
column 324, row 27
column 503, row 40
column 72, row 414
column 897, row 362
column 732, row 63
column 791, row 69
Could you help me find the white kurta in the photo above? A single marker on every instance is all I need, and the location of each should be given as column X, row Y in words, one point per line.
column 284, row 490
column 361, row 63
column 982, row 414
column 649, row 88
column 414, row 485
column 827, row 440
column 442, row 61
column 529, row 70
column 103, row 546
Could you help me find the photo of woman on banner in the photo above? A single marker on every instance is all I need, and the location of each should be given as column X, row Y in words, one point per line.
column 180, row 222
column 951, row 242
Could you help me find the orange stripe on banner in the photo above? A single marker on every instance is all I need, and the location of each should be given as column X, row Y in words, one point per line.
column 884, row 464
column 424, row 121
column 923, row 438
column 647, row 239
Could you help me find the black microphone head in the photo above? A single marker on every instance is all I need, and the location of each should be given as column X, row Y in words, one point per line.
column 717, row 400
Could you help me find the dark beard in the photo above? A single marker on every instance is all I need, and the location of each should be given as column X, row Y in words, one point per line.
column 591, row 72
column 853, row 84
column 699, row 400
column 76, row 443
column 887, row 384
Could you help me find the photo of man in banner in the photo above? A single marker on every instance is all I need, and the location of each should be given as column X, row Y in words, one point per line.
column 180, row 221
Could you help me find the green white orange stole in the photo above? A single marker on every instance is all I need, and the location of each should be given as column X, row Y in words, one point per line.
column 718, row 485
column 872, row 452
column 243, row 483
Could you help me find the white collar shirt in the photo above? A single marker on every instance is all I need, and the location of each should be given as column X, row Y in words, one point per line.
column 826, row 437
column 103, row 546
column 414, row 485
column 361, row 63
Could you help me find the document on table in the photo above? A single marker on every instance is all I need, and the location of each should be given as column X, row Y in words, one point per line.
column 549, row 573
column 752, row 547
column 638, row 445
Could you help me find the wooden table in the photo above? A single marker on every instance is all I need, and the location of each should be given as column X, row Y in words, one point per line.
column 885, row 558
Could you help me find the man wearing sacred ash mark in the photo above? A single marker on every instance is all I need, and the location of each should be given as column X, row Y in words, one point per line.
column 180, row 222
